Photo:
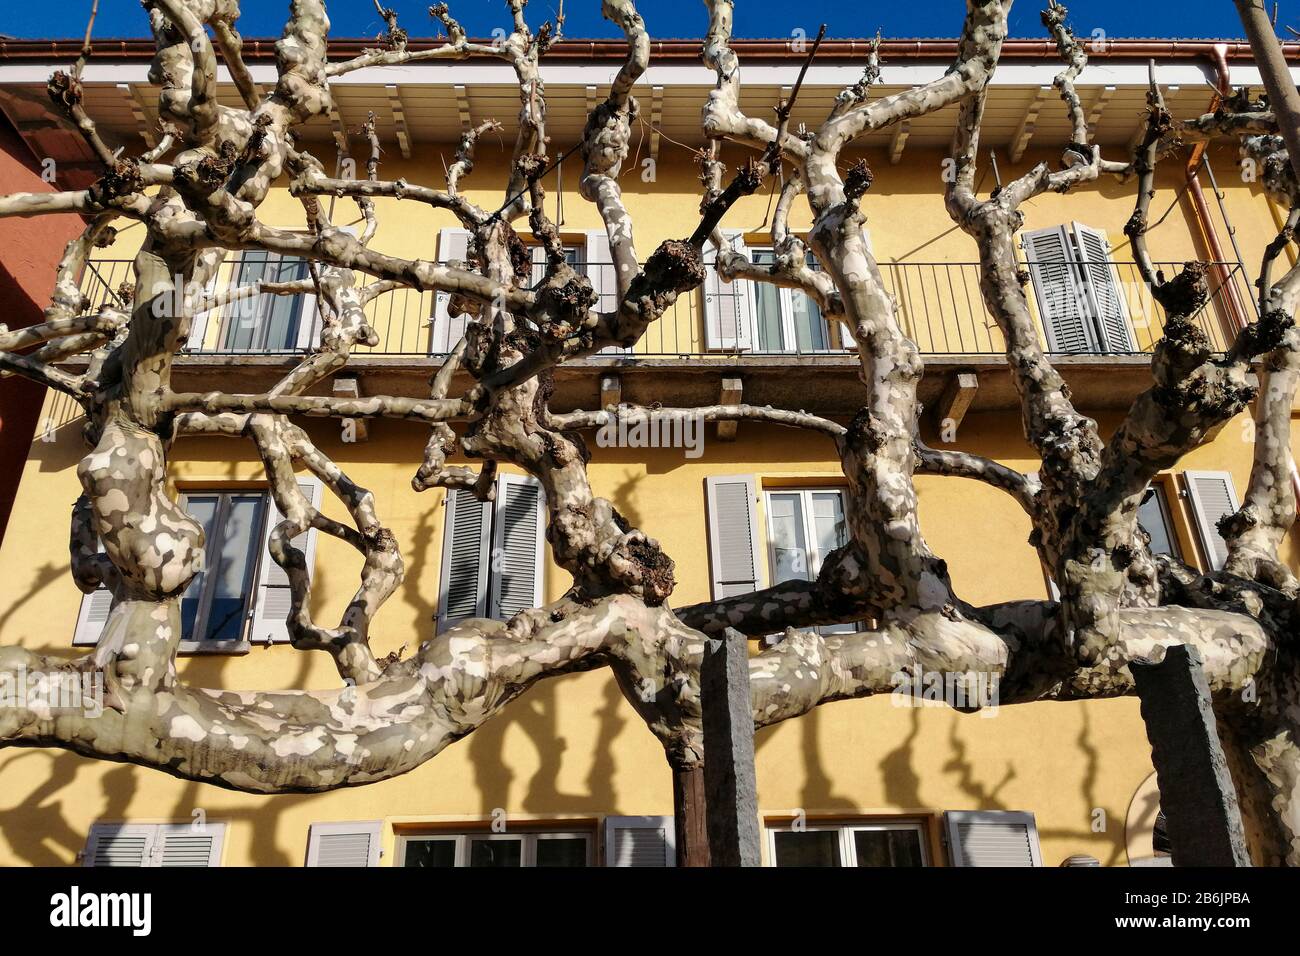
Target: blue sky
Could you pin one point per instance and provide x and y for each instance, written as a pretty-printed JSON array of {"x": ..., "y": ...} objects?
[{"x": 674, "y": 18}]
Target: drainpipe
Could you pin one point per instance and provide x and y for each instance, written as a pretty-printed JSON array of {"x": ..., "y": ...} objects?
[{"x": 1219, "y": 57}]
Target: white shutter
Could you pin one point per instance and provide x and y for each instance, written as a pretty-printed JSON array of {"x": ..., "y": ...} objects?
[
  {"x": 1105, "y": 294},
  {"x": 734, "y": 563},
  {"x": 640, "y": 841},
  {"x": 150, "y": 845},
  {"x": 516, "y": 580},
  {"x": 992, "y": 838},
  {"x": 120, "y": 844},
  {"x": 92, "y": 617},
  {"x": 344, "y": 844},
  {"x": 728, "y": 306},
  {"x": 462, "y": 591},
  {"x": 453, "y": 246},
  {"x": 1212, "y": 495},
  {"x": 1058, "y": 287},
  {"x": 309, "y": 320},
  {"x": 271, "y": 611},
  {"x": 199, "y": 322},
  {"x": 187, "y": 844}
]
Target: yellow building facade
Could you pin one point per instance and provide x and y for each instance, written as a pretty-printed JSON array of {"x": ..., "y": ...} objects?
[{"x": 558, "y": 776}]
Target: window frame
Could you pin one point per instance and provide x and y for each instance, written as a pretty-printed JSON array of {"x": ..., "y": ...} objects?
[
  {"x": 785, "y": 305},
  {"x": 1162, "y": 496},
  {"x": 305, "y": 315},
  {"x": 461, "y": 838},
  {"x": 846, "y": 829},
  {"x": 811, "y": 550},
  {"x": 189, "y": 645}
]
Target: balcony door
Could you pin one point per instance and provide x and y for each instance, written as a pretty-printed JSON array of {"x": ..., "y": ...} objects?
[
  {"x": 266, "y": 322},
  {"x": 786, "y": 320}
]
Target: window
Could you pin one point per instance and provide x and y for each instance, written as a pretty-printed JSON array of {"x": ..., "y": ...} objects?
[
  {"x": 482, "y": 849},
  {"x": 155, "y": 844},
  {"x": 492, "y": 552},
  {"x": 239, "y": 594},
  {"x": 786, "y": 320},
  {"x": 592, "y": 257},
  {"x": 874, "y": 843},
  {"x": 573, "y": 255},
  {"x": 803, "y": 527},
  {"x": 1155, "y": 519},
  {"x": 214, "y": 608},
  {"x": 1080, "y": 298},
  {"x": 266, "y": 322},
  {"x": 742, "y": 315}
]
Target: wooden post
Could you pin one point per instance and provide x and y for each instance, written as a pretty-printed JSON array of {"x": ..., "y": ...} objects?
[{"x": 689, "y": 816}]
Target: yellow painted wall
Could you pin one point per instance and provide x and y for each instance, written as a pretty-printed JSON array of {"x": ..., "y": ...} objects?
[{"x": 571, "y": 747}]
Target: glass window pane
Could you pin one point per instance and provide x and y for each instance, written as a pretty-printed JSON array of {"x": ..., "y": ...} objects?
[
  {"x": 828, "y": 519},
  {"x": 241, "y": 317},
  {"x": 231, "y": 566},
  {"x": 562, "y": 851},
  {"x": 488, "y": 853},
  {"x": 1153, "y": 517},
  {"x": 890, "y": 847},
  {"x": 280, "y": 313},
  {"x": 430, "y": 853},
  {"x": 203, "y": 509},
  {"x": 767, "y": 303},
  {"x": 809, "y": 848},
  {"x": 789, "y": 544},
  {"x": 810, "y": 329}
]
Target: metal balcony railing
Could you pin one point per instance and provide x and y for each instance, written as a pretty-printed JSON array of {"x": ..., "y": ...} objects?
[{"x": 940, "y": 305}]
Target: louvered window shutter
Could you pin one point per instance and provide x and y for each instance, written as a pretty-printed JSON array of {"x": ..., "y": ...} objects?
[
  {"x": 992, "y": 838},
  {"x": 453, "y": 246},
  {"x": 640, "y": 841},
  {"x": 344, "y": 844},
  {"x": 199, "y": 321},
  {"x": 466, "y": 537},
  {"x": 183, "y": 844},
  {"x": 1212, "y": 495},
  {"x": 1059, "y": 290},
  {"x": 92, "y": 617},
  {"x": 271, "y": 610},
  {"x": 728, "y": 306},
  {"x": 1105, "y": 294},
  {"x": 120, "y": 844},
  {"x": 516, "y": 581},
  {"x": 733, "y": 535}
]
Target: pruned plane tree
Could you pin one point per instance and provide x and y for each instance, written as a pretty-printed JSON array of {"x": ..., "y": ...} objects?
[{"x": 197, "y": 195}]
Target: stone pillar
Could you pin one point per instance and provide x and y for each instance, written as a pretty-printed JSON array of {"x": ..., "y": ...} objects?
[
  {"x": 1196, "y": 791},
  {"x": 730, "y": 784}
]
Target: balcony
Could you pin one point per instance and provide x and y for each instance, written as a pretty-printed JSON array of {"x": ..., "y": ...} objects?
[{"x": 766, "y": 337}]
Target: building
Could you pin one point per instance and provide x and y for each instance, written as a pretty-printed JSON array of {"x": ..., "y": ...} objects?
[{"x": 568, "y": 774}]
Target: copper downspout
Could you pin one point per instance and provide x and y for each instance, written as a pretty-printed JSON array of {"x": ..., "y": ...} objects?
[{"x": 1220, "y": 59}]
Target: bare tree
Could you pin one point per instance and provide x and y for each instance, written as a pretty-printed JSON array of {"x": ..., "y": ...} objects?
[{"x": 197, "y": 194}]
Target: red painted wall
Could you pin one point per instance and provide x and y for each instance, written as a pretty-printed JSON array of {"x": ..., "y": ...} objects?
[{"x": 29, "y": 252}]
